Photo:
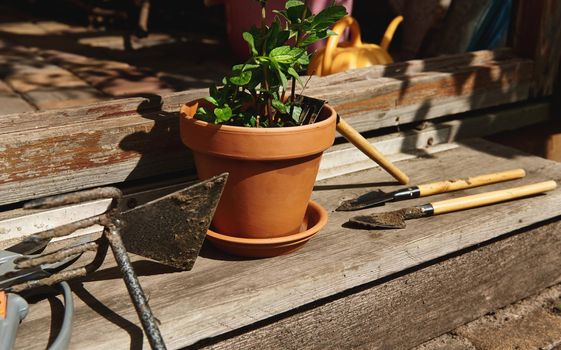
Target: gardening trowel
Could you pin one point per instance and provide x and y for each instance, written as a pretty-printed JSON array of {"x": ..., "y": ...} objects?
[
  {"x": 379, "y": 197},
  {"x": 396, "y": 219},
  {"x": 171, "y": 229}
]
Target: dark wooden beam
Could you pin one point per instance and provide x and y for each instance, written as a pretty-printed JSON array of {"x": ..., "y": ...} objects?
[{"x": 537, "y": 36}]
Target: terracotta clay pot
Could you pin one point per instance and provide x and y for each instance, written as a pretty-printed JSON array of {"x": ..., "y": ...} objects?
[{"x": 271, "y": 171}]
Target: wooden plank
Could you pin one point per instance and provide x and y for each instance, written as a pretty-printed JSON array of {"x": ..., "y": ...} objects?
[
  {"x": 171, "y": 102},
  {"x": 462, "y": 77},
  {"x": 343, "y": 159},
  {"x": 11, "y": 102},
  {"x": 442, "y": 63},
  {"x": 385, "y": 102},
  {"x": 116, "y": 149},
  {"x": 136, "y": 107},
  {"x": 121, "y": 141},
  {"x": 87, "y": 162},
  {"x": 418, "y": 305},
  {"x": 222, "y": 294}
]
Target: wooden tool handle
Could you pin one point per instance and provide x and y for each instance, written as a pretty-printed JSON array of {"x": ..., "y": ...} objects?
[
  {"x": 3, "y": 304},
  {"x": 478, "y": 200},
  {"x": 460, "y": 184},
  {"x": 365, "y": 147}
]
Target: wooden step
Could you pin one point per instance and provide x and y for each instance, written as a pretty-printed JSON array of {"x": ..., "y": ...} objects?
[{"x": 346, "y": 288}]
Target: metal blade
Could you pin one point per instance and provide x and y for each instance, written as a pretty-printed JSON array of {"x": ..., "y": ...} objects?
[
  {"x": 27, "y": 247},
  {"x": 366, "y": 200},
  {"x": 172, "y": 229},
  {"x": 392, "y": 219}
]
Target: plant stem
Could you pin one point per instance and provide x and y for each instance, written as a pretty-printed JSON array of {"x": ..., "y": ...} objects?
[
  {"x": 293, "y": 87},
  {"x": 268, "y": 104}
]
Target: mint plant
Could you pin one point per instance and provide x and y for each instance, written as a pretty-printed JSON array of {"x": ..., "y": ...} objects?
[{"x": 257, "y": 93}]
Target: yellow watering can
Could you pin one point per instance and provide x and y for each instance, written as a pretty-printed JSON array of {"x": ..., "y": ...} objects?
[{"x": 335, "y": 58}]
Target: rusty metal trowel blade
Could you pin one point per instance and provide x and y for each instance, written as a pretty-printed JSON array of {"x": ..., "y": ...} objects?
[
  {"x": 366, "y": 200},
  {"x": 393, "y": 219},
  {"x": 171, "y": 229}
]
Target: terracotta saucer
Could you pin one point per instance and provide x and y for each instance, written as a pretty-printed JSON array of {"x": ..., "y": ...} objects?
[{"x": 315, "y": 220}]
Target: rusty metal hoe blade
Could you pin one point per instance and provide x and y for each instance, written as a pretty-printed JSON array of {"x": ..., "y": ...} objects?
[{"x": 171, "y": 229}]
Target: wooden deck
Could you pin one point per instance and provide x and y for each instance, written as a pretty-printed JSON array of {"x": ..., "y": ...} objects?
[{"x": 345, "y": 288}]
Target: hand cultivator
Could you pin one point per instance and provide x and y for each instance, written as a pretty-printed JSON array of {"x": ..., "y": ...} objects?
[{"x": 170, "y": 230}]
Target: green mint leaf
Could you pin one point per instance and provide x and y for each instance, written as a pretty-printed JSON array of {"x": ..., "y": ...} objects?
[
  {"x": 203, "y": 115},
  {"x": 242, "y": 79},
  {"x": 223, "y": 114},
  {"x": 295, "y": 10},
  {"x": 244, "y": 67},
  {"x": 213, "y": 91},
  {"x": 212, "y": 100},
  {"x": 279, "y": 106},
  {"x": 328, "y": 16},
  {"x": 292, "y": 72},
  {"x": 250, "y": 39},
  {"x": 277, "y": 69},
  {"x": 282, "y": 55},
  {"x": 293, "y": 3}
]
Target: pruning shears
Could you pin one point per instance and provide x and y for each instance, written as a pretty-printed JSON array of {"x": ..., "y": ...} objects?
[{"x": 19, "y": 264}]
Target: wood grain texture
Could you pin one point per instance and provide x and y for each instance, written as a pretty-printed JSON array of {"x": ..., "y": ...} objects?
[
  {"x": 439, "y": 64},
  {"x": 419, "y": 305},
  {"x": 341, "y": 159},
  {"x": 111, "y": 142},
  {"x": 472, "y": 181},
  {"x": 366, "y": 147},
  {"x": 222, "y": 294}
]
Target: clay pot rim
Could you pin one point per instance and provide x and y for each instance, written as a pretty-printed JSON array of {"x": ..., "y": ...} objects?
[
  {"x": 279, "y": 241},
  {"x": 255, "y": 131}
]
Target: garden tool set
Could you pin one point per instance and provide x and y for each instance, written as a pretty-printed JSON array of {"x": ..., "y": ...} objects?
[
  {"x": 379, "y": 197},
  {"x": 396, "y": 218},
  {"x": 170, "y": 230}
]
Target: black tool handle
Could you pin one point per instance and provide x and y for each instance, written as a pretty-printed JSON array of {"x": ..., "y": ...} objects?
[{"x": 407, "y": 193}]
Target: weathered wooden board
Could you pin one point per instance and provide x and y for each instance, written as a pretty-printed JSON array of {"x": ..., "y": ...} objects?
[
  {"x": 343, "y": 159},
  {"x": 443, "y": 63},
  {"x": 110, "y": 142},
  {"x": 223, "y": 294},
  {"x": 10, "y": 102},
  {"x": 382, "y": 102},
  {"x": 96, "y": 169},
  {"x": 65, "y": 158},
  {"x": 417, "y": 305}
]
